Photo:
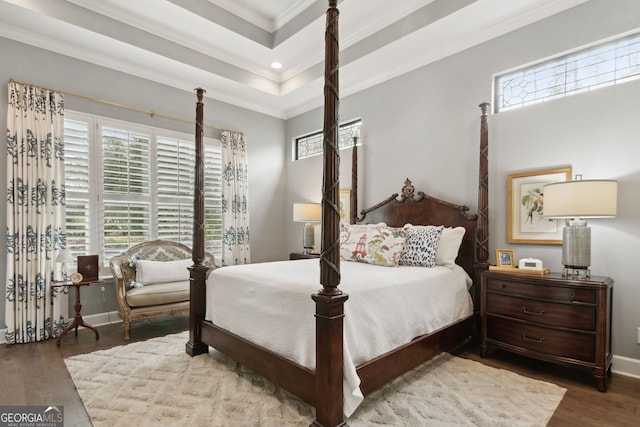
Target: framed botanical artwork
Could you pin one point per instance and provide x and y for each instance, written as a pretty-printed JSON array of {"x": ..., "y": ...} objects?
[
  {"x": 526, "y": 221},
  {"x": 505, "y": 258},
  {"x": 345, "y": 206}
]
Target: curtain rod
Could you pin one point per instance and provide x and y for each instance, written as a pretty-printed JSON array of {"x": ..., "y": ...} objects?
[{"x": 128, "y": 107}]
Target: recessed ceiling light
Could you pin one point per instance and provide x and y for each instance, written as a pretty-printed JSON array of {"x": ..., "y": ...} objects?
[{"x": 276, "y": 65}]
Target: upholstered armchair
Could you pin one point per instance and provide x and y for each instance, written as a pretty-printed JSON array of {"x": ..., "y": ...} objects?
[{"x": 152, "y": 279}]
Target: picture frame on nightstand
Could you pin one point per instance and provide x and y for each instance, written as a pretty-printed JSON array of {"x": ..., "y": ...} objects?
[{"x": 505, "y": 258}]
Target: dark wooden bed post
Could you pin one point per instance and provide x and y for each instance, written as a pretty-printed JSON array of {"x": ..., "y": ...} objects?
[
  {"x": 482, "y": 238},
  {"x": 330, "y": 300},
  {"x": 198, "y": 271}
]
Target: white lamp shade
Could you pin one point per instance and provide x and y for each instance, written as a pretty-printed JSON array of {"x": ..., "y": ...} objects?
[
  {"x": 307, "y": 212},
  {"x": 64, "y": 256},
  {"x": 581, "y": 199}
]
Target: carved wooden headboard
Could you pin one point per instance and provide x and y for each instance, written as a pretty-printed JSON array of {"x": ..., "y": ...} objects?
[{"x": 417, "y": 208}]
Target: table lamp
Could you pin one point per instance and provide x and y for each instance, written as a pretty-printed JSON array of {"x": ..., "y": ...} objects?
[
  {"x": 307, "y": 213},
  {"x": 64, "y": 257},
  {"x": 576, "y": 200}
]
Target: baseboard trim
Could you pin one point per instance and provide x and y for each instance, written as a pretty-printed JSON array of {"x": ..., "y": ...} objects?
[
  {"x": 100, "y": 319},
  {"x": 625, "y": 366}
]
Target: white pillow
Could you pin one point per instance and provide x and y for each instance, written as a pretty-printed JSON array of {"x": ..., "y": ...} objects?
[
  {"x": 152, "y": 272},
  {"x": 449, "y": 245}
]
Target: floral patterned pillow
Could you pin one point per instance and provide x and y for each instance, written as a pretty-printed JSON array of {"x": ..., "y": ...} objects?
[
  {"x": 421, "y": 245},
  {"x": 379, "y": 245}
]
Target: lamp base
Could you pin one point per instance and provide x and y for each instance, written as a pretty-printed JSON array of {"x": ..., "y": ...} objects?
[
  {"x": 307, "y": 237},
  {"x": 576, "y": 272},
  {"x": 576, "y": 250},
  {"x": 62, "y": 275}
]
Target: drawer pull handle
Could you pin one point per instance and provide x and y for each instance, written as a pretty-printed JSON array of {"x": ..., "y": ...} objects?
[
  {"x": 502, "y": 286},
  {"x": 526, "y": 338},
  {"x": 537, "y": 313}
]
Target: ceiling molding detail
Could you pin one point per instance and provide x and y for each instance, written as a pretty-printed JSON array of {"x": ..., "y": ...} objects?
[{"x": 227, "y": 46}]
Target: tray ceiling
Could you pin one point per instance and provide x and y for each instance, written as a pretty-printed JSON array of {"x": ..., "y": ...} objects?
[{"x": 227, "y": 46}]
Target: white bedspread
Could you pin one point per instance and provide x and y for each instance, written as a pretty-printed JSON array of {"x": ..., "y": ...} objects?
[{"x": 270, "y": 304}]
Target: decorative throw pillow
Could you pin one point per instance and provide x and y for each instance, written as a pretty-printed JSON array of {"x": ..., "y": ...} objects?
[
  {"x": 134, "y": 284},
  {"x": 358, "y": 227},
  {"x": 377, "y": 245},
  {"x": 420, "y": 245},
  {"x": 133, "y": 261},
  {"x": 449, "y": 246},
  {"x": 153, "y": 272}
]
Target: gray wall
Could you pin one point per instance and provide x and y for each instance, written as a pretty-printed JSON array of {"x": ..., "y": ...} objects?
[
  {"x": 264, "y": 135},
  {"x": 425, "y": 125}
]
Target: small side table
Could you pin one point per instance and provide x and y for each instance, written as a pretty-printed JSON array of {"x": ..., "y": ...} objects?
[{"x": 77, "y": 320}]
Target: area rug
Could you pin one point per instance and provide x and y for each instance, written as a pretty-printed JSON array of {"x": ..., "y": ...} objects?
[{"x": 155, "y": 383}]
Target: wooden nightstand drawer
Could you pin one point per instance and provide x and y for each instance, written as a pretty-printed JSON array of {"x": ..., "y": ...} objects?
[
  {"x": 555, "y": 293},
  {"x": 543, "y": 313},
  {"x": 573, "y": 345}
]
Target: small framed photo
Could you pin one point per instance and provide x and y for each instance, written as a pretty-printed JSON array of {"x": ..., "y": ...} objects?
[{"x": 505, "y": 258}]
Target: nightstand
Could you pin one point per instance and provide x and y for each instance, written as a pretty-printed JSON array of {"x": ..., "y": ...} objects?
[
  {"x": 301, "y": 255},
  {"x": 551, "y": 318}
]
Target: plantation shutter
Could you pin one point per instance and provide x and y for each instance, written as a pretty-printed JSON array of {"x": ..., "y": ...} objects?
[
  {"x": 127, "y": 192},
  {"x": 76, "y": 161},
  {"x": 127, "y": 184},
  {"x": 175, "y": 178}
]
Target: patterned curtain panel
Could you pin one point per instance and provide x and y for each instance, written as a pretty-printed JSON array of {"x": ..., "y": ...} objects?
[
  {"x": 235, "y": 200},
  {"x": 35, "y": 214}
]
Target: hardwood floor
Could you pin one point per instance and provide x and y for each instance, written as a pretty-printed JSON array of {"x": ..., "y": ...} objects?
[
  {"x": 35, "y": 374},
  {"x": 582, "y": 405}
]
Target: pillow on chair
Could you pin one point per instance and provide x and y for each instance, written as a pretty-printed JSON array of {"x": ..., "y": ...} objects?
[{"x": 153, "y": 272}]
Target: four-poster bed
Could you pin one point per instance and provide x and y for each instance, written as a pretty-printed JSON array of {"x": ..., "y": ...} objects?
[{"x": 322, "y": 385}]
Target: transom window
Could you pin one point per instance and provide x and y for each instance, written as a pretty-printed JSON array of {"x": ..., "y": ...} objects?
[
  {"x": 311, "y": 144},
  {"x": 126, "y": 184},
  {"x": 598, "y": 66}
]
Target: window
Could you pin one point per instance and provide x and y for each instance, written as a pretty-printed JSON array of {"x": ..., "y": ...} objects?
[
  {"x": 598, "y": 66},
  {"x": 311, "y": 144},
  {"x": 126, "y": 184}
]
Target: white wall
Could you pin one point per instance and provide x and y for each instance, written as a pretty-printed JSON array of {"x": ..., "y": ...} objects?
[
  {"x": 264, "y": 138},
  {"x": 425, "y": 125}
]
